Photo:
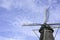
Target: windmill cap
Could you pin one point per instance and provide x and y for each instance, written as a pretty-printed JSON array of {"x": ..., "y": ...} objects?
[{"x": 45, "y": 27}]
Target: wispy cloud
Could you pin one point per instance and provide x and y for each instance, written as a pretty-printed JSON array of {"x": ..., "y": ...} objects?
[
  {"x": 22, "y": 11},
  {"x": 4, "y": 38}
]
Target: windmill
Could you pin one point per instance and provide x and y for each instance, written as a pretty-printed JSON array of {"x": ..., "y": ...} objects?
[{"x": 46, "y": 30}]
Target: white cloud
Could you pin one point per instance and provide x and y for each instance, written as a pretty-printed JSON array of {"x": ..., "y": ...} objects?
[
  {"x": 6, "y": 4},
  {"x": 24, "y": 4},
  {"x": 4, "y": 38}
]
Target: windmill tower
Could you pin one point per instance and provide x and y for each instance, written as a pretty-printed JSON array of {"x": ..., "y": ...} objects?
[{"x": 46, "y": 31}]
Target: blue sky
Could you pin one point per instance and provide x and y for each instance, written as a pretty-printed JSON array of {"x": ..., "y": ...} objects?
[{"x": 14, "y": 13}]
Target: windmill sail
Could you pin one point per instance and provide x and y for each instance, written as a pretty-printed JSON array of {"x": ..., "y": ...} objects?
[{"x": 46, "y": 15}]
